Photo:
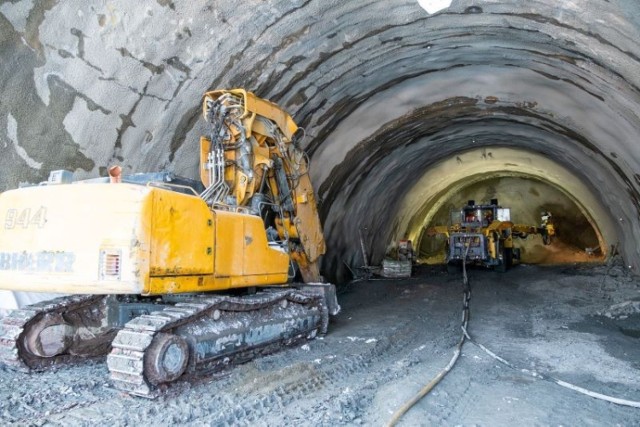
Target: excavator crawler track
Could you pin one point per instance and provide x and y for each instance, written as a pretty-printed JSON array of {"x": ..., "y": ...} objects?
[
  {"x": 75, "y": 311},
  {"x": 206, "y": 334}
]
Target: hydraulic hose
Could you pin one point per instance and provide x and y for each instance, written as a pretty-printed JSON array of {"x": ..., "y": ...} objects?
[{"x": 456, "y": 354}]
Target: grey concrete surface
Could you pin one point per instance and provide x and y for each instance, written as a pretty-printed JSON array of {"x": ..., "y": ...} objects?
[{"x": 385, "y": 91}]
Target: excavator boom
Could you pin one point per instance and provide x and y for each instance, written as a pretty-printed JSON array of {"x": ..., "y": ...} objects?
[{"x": 263, "y": 167}]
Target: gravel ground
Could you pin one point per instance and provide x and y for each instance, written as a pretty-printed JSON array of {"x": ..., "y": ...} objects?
[{"x": 579, "y": 324}]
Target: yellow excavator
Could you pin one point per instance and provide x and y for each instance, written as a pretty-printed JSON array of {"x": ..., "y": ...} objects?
[
  {"x": 483, "y": 234},
  {"x": 171, "y": 277}
]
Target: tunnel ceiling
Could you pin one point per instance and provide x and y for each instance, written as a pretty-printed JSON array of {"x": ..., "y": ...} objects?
[{"x": 385, "y": 91}]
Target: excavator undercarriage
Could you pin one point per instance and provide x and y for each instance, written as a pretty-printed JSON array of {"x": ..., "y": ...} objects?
[
  {"x": 209, "y": 333},
  {"x": 56, "y": 331},
  {"x": 175, "y": 338}
]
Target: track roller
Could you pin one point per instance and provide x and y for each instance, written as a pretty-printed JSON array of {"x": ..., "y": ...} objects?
[
  {"x": 166, "y": 358},
  {"x": 49, "y": 337}
]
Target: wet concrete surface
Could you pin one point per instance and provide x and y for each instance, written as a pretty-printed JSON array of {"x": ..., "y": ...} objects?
[{"x": 391, "y": 338}]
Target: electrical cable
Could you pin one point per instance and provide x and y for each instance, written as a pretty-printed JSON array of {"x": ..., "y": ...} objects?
[
  {"x": 600, "y": 396},
  {"x": 456, "y": 353},
  {"x": 466, "y": 336}
]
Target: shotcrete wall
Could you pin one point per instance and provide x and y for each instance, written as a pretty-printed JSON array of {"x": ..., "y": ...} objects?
[{"x": 385, "y": 91}]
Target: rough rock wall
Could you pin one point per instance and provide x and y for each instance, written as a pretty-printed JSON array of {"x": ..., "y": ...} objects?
[
  {"x": 384, "y": 90},
  {"x": 86, "y": 84}
]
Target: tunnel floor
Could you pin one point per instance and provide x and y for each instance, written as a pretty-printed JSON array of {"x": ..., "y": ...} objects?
[{"x": 576, "y": 323}]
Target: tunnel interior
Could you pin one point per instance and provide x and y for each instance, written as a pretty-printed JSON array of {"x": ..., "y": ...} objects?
[
  {"x": 407, "y": 113},
  {"x": 576, "y": 240},
  {"x": 409, "y": 110}
]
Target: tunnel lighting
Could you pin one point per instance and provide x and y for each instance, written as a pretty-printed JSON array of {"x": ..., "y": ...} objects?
[{"x": 433, "y": 6}]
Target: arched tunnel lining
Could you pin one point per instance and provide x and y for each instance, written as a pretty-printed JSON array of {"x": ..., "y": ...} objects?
[
  {"x": 383, "y": 100},
  {"x": 400, "y": 133},
  {"x": 450, "y": 176},
  {"x": 427, "y": 194}
]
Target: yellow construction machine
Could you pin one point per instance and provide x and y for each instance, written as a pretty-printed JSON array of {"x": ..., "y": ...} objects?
[
  {"x": 171, "y": 276},
  {"x": 483, "y": 234}
]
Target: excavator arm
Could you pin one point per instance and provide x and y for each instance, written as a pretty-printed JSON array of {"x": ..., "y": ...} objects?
[{"x": 251, "y": 160}]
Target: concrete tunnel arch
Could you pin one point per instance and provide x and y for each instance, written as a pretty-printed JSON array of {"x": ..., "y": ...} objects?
[
  {"x": 384, "y": 90},
  {"x": 394, "y": 156},
  {"x": 438, "y": 185}
]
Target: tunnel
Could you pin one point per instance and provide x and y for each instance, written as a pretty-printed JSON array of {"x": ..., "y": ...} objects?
[{"x": 408, "y": 111}]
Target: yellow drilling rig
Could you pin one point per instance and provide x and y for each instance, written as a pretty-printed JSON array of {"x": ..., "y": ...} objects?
[{"x": 483, "y": 234}]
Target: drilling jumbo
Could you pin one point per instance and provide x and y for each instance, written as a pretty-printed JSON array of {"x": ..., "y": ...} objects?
[
  {"x": 171, "y": 277},
  {"x": 483, "y": 235}
]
